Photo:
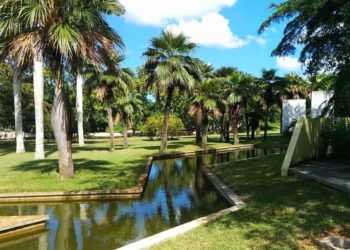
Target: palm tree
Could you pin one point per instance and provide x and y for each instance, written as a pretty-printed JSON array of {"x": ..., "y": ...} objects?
[
  {"x": 169, "y": 66},
  {"x": 110, "y": 86},
  {"x": 79, "y": 107},
  {"x": 17, "y": 93},
  {"x": 268, "y": 80},
  {"x": 125, "y": 107},
  {"x": 196, "y": 105},
  {"x": 59, "y": 32},
  {"x": 206, "y": 99}
]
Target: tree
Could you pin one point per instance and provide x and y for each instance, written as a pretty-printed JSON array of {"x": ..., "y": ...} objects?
[
  {"x": 196, "y": 108},
  {"x": 206, "y": 99},
  {"x": 17, "y": 93},
  {"x": 60, "y": 32},
  {"x": 268, "y": 80},
  {"x": 112, "y": 86},
  {"x": 321, "y": 28},
  {"x": 125, "y": 107},
  {"x": 79, "y": 107},
  {"x": 169, "y": 67}
]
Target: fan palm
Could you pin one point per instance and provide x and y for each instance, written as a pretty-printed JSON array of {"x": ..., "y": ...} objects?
[
  {"x": 169, "y": 66},
  {"x": 268, "y": 80},
  {"x": 111, "y": 87},
  {"x": 125, "y": 107},
  {"x": 60, "y": 31}
]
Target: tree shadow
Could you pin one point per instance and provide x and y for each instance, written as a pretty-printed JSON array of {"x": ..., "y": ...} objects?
[
  {"x": 281, "y": 211},
  {"x": 50, "y": 165}
]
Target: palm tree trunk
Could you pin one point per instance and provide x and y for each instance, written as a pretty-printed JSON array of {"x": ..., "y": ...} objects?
[
  {"x": 164, "y": 142},
  {"x": 79, "y": 106},
  {"x": 61, "y": 126},
  {"x": 38, "y": 80},
  {"x": 266, "y": 124},
  {"x": 199, "y": 115},
  {"x": 205, "y": 130},
  {"x": 235, "y": 134},
  {"x": 111, "y": 129},
  {"x": 125, "y": 134},
  {"x": 17, "y": 96},
  {"x": 222, "y": 128}
]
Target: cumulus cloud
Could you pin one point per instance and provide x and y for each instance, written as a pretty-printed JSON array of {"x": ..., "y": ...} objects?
[
  {"x": 211, "y": 30},
  {"x": 161, "y": 12},
  {"x": 288, "y": 63}
]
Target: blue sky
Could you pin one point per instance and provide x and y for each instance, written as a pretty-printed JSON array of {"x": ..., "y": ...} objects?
[{"x": 225, "y": 31}]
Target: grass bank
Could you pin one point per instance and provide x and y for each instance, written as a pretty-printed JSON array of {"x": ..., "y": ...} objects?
[
  {"x": 95, "y": 166},
  {"x": 282, "y": 213}
]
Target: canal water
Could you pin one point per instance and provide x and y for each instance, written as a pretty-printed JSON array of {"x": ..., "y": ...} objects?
[{"x": 176, "y": 193}]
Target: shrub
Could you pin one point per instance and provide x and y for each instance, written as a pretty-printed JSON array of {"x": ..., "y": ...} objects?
[
  {"x": 338, "y": 136},
  {"x": 116, "y": 129},
  {"x": 154, "y": 125}
]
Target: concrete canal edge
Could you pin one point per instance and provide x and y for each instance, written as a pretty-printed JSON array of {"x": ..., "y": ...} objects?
[
  {"x": 232, "y": 198},
  {"x": 14, "y": 226},
  {"x": 131, "y": 193}
]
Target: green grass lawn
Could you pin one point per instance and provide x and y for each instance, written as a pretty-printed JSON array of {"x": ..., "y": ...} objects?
[
  {"x": 282, "y": 213},
  {"x": 95, "y": 166}
]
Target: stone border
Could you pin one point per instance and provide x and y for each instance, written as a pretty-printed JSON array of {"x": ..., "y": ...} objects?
[
  {"x": 131, "y": 193},
  {"x": 221, "y": 188},
  {"x": 19, "y": 225}
]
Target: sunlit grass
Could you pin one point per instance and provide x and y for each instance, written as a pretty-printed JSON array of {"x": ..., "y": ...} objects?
[{"x": 96, "y": 167}]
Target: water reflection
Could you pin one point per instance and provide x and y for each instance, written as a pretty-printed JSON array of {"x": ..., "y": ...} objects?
[{"x": 177, "y": 192}]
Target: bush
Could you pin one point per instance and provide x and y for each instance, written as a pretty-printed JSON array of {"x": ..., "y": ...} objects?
[
  {"x": 116, "y": 129},
  {"x": 338, "y": 136},
  {"x": 154, "y": 125}
]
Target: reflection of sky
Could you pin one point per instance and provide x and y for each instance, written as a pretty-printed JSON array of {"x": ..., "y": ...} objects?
[{"x": 187, "y": 203}]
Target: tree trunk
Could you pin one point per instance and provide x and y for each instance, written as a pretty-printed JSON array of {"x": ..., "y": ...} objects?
[
  {"x": 17, "y": 94},
  {"x": 247, "y": 127},
  {"x": 79, "y": 106},
  {"x": 38, "y": 81},
  {"x": 222, "y": 129},
  {"x": 164, "y": 142},
  {"x": 266, "y": 124},
  {"x": 125, "y": 134},
  {"x": 235, "y": 134},
  {"x": 61, "y": 126},
  {"x": 199, "y": 115},
  {"x": 227, "y": 131},
  {"x": 111, "y": 129},
  {"x": 205, "y": 130}
]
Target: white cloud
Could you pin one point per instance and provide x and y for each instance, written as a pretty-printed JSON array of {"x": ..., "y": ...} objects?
[
  {"x": 259, "y": 40},
  {"x": 288, "y": 63},
  {"x": 161, "y": 12},
  {"x": 211, "y": 30}
]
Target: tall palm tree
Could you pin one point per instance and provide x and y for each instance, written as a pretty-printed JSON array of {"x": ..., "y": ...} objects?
[
  {"x": 110, "y": 86},
  {"x": 169, "y": 66},
  {"x": 79, "y": 107},
  {"x": 125, "y": 107},
  {"x": 196, "y": 109},
  {"x": 207, "y": 101},
  {"x": 17, "y": 93},
  {"x": 268, "y": 80},
  {"x": 59, "y": 32}
]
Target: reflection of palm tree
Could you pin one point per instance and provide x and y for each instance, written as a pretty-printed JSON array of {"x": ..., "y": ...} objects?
[
  {"x": 199, "y": 179},
  {"x": 167, "y": 189},
  {"x": 65, "y": 236}
]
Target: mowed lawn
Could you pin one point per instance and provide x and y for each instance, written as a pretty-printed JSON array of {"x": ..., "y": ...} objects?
[
  {"x": 95, "y": 166},
  {"x": 282, "y": 213}
]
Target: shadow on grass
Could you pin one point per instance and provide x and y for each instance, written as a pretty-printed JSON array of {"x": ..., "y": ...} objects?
[{"x": 282, "y": 211}]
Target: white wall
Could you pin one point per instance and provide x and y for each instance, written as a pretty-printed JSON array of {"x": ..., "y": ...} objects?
[
  {"x": 319, "y": 101},
  {"x": 292, "y": 110}
]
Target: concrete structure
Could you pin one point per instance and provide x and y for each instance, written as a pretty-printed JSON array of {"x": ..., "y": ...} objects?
[
  {"x": 14, "y": 226},
  {"x": 319, "y": 101},
  {"x": 306, "y": 143},
  {"x": 330, "y": 173},
  {"x": 291, "y": 111}
]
